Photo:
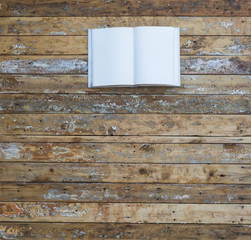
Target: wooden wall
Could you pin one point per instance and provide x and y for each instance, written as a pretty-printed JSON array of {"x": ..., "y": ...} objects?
[{"x": 124, "y": 163}]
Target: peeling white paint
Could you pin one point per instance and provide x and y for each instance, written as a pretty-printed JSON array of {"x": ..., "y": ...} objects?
[
  {"x": 188, "y": 43},
  {"x": 231, "y": 197},
  {"x": 60, "y": 150},
  {"x": 10, "y": 151},
  {"x": 237, "y": 48},
  {"x": 226, "y": 24},
  {"x": 184, "y": 30},
  {"x": 61, "y": 33},
  {"x": 27, "y": 128},
  {"x": 180, "y": 197}
]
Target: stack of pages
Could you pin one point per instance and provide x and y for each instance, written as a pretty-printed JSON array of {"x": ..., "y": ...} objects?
[{"x": 140, "y": 56}]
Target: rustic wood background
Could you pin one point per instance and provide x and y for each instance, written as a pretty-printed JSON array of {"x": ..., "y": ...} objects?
[{"x": 124, "y": 163}]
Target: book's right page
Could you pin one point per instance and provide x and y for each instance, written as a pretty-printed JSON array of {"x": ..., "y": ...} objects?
[{"x": 156, "y": 56}]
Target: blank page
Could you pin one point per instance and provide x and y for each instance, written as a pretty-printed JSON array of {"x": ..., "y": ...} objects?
[
  {"x": 156, "y": 56},
  {"x": 110, "y": 57}
]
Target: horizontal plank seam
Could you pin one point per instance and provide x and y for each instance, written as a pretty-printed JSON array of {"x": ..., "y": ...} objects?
[
  {"x": 109, "y": 202},
  {"x": 130, "y": 94},
  {"x": 77, "y": 182},
  {"x": 120, "y": 223},
  {"x": 120, "y": 163}
]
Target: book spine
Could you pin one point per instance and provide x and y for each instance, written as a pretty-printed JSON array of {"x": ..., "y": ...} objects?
[{"x": 89, "y": 58}]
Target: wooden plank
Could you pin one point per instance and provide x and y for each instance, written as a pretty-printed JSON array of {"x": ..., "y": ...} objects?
[
  {"x": 127, "y": 193},
  {"x": 49, "y": 45},
  {"x": 79, "y": 25},
  {"x": 124, "y": 139},
  {"x": 75, "y": 64},
  {"x": 126, "y": 213},
  {"x": 125, "y": 153},
  {"x": 67, "y": 45},
  {"x": 65, "y": 231},
  {"x": 43, "y": 65},
  {"x": 191, "y": 84},
  {"x": 140, "y": 104},
  {"x": 125, "y": 173},
  {"x": 129, "y": 8},
  {"x": 126, "y": 124}
]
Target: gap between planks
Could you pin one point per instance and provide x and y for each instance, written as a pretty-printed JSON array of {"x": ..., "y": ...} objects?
[{"x": 124, "y": 139}]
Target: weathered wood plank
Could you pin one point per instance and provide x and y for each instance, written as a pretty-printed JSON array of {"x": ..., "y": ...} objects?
[
  {"x": 125, "y": 173},
  {"x": 140, "y": 104},
  {"x": 126, "y": 124},
  {"x": 75, "y": 64},
  {"x": 141, "y": 193},
  {"x": 63, "y": 45},
  {"x": 43, "y": 65},
  {"x": 125, "y": 153},
  {"x": 124, "y": 139},
  {"x": 191, "y": 84},
  {"x": 122, "y": 8},
  {"x": 126, "y": 213},
  {"x": 79, "y": 25},
  {"x": 66, "y": 231}
]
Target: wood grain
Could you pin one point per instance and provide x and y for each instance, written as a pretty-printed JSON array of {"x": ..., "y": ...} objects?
[
  {"x": 125, "y": 153},
  {"x": 75, "y": 64},
  {"x": 80, "y": 25},
  {"x": 69, "y": 45},
  {"x": 46, "y": 45},
  {"x": 190, "y": 84},
  {"x": 127, "y": 193},
  {"x": 43, "y": 65},
  {"x": 143, "y": 104},
  {"x": 79, "y": 163},
  {"x": 125, "y": 173},
  {"x": 117, "y": 8},
  {"x": 124, "y": 139},
  {"x": 126, "y": 124},
  {"x": 65, "y": 231},
  {"x": 126, "y": 213}
]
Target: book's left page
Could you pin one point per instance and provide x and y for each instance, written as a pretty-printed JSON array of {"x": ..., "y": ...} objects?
[{"x": 110, "y": 57}]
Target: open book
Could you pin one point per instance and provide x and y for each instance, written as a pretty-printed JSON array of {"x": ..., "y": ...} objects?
[{"x": 133, "y": 56}]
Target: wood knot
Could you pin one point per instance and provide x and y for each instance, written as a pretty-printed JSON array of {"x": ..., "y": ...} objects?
[
  {"x": 10, "y": 209},
  {"x": 64, "y": 126},
  {"x": 146, "y": 148},
  {"x": 143, "y": 171}
]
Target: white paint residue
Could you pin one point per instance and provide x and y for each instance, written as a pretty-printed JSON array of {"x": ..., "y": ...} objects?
[
  {"x": 27, "y": 128},
  {"x": 180, "y": 197},
  {"x": 231, "y": 197},
  {"x": 58, "y": 33},
  {"x": 9, "y": 151},
  {"x": 237, "y": 48},
  {"x": 226, "y": 24},
  {"x": 184, "y": 30}
]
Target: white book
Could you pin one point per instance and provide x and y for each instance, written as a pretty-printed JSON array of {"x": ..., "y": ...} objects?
[{"x": 134, "y": 57}]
